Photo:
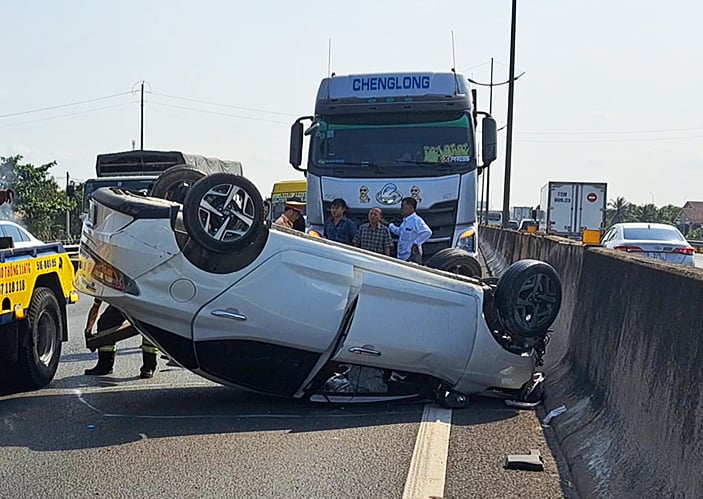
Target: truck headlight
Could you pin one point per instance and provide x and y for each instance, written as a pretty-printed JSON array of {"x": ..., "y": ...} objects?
[{"x": 467, "y": 241}]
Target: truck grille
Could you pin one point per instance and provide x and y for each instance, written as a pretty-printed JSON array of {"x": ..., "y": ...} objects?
[{"x": 441, "y": 217}]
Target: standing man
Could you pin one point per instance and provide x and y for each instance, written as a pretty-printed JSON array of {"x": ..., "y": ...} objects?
[
  {"x": 113, "y": 317},
  {"x": 374, "y": 236},
  {"x": 290, "y": 217},
  {"x": 412, "y": 233},
  {"x": 338, "y": 227}
]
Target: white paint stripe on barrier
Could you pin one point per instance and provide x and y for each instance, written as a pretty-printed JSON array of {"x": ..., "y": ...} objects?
[{"x": 429, "y": 462}]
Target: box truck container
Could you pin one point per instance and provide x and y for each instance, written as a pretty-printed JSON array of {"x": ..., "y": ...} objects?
[{"x": 568, "y": 208}]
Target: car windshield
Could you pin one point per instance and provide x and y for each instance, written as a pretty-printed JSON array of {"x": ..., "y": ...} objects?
[
  {"x": 394, "y": 142},
  {"x": 651, "y": 234}
]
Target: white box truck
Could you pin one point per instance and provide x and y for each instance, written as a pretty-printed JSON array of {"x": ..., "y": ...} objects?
[{"x": 568, "y": 208}]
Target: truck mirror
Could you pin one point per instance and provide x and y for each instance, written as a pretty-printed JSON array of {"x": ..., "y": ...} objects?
[
  {"x": 489, "y": 140},
  {"x": 296, "y": 145}
]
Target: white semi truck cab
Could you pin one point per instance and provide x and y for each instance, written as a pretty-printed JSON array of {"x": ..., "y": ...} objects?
[{"x": 377, "y": 138}]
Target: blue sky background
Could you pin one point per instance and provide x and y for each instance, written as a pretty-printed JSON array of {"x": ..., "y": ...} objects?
[{"x": 611, "y": 90}]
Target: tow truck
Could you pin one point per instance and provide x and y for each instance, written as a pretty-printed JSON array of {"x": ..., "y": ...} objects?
[{"x": 36, "y": 285}]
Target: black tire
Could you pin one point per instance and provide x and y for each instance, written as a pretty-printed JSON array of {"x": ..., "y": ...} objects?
[
  {"x": 223, "y": 212},
  {"x": 528, "y": 298},
  {"x": 174, "y": 183},
  {"x": 456, "y": 261},
  {"x": 39, "y": 356}
]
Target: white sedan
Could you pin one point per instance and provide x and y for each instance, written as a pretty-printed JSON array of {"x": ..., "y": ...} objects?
[
  {"x": 279, "y": 312},
  {"x": 657, "y": 241}
]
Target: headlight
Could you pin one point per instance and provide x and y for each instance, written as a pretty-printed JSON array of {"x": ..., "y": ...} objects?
[{"x": 467, "y": 241}]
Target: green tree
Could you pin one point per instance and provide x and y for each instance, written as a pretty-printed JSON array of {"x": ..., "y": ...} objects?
[
  {"x": 39, "y": 202},
  {"x": 617, "y": 211},
  {"x": 645, "y": 213},
  {"x": 669, "y": 213}
]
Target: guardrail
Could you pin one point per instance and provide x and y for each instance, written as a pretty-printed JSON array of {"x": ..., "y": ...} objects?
[{"x": 696, "y": 244}]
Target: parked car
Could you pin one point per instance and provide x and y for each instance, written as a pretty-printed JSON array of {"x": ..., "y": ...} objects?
[
  {"x": 21, "y": 237},
  {"x": 283, "y": 313},
  {"x": 653, "y": 240}
]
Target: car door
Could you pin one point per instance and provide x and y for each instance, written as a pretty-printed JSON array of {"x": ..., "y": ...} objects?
[
  {"x": 277, "y": 326},
  {"x": 416, "y": 323}
]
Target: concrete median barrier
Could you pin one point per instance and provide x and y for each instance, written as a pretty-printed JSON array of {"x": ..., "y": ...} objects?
[{"x": 626, "y": 359}]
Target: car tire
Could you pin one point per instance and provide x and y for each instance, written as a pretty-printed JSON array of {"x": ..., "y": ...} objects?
[
  {"x": 456, "y": 261},
  {"x": 41, "y": 347},
  {"x": 173, "y": 184},
  {"x": 223, "y": 212},
  {"x": 528, "y": 297}
]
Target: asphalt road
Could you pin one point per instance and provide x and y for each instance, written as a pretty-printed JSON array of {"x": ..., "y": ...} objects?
[
  {"x": 179, "y": 435},
  {"x": 699, "y": 260}
]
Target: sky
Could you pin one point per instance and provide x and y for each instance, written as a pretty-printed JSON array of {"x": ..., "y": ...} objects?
[{"x": 610, "y": 91}]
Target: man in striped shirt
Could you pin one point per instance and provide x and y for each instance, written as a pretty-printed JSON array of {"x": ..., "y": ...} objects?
[{"x": 374, "y": 236}]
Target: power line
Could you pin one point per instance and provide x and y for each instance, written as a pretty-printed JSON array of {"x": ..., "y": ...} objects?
[
  {"x": 62, "y": 105},
  {"x": 614, "y": 132},
  {"x": 658, "y": 139},
  {"x": 216, "y": 113},
  {"x": 67, "y": 115},
  {"x": 223, "y": 105}
]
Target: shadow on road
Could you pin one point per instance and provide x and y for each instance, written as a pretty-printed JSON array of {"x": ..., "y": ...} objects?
[{"x": 91, "y": 418}]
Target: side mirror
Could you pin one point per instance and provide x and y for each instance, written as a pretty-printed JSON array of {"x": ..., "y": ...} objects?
[
  {"x": 296, "y": 145},
  {"x": 489, "y": 142}
]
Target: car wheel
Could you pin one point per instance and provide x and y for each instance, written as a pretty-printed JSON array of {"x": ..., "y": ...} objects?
[
  {"x": 41, "y": 349},
  {"x": 174, "y": 183},
  {"x": 223, "y": 212},
  {"x": 528, "y": 297},
  {"x": 456, "y": 261}
]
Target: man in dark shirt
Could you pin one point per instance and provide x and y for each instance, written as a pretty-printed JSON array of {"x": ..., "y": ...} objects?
[{"x": 338, "y": 227}]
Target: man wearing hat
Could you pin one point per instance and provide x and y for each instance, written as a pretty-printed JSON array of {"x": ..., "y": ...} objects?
[{"x": 293, "y": 214}]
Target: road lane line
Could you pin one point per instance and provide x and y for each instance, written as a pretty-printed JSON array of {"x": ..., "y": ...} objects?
[{"x": 429, "y": 462}]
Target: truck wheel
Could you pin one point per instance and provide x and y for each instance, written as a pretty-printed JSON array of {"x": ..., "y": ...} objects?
[
  {"x": 174, "y": 183},
  {"x": 41, "y": 350},
  {"x": 223, "y": 212},
  {"x": 456, "y": 261},
  {"x": 528, "y": 297}
]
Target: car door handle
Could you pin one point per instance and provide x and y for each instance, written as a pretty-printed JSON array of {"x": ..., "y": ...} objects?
[
  {"x": 365, "y": 350},
  {"x": 230, "y": 313}
]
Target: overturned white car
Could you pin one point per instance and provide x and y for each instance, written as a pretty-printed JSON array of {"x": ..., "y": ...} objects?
[{"x": 283, "y": 313}]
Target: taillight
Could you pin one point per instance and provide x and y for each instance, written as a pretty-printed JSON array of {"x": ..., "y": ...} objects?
[
  {"x": 629, "y": 249},
  {"x": 111, "y": 276},
  {"x": 685, "y": 251}
]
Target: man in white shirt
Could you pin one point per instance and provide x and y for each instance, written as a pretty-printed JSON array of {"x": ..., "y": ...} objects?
[{"x": 412, "y": 233}]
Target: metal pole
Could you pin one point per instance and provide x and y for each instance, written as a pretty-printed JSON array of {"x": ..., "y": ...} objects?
[
  {"x": 68, "y": 212},
  {"x": 141, "y": 146},
  {"x": 488, "y": 170},
  {"x": 509, "y": 139}
]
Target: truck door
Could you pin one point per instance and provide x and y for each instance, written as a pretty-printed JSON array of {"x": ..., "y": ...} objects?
[
  {"x": 561, "y": 209},
  {"x": 592, "y": 204}
]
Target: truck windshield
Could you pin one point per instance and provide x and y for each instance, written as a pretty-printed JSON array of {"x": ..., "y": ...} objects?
[{"x": 393, "y": 144}]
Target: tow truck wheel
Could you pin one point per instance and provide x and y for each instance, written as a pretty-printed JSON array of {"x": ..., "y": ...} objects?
[
  {"x": 41, "y": 344},
  {"x": 223, "y": 212},
  {"x": 456, "y": 261},
  {"x": 528, "y": 297},
  {"x": 174, "y": 183}
]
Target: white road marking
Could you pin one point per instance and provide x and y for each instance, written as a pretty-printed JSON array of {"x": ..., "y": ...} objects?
[{"x": 429, "y": 462}]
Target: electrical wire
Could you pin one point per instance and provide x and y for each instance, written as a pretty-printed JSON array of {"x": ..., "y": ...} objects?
[
  {"x": 656, "y": 139},
  {"x": 215, "y": 112},
  {"x": 223, "y": 105},
  {"x": 67, "y": 115},
  {"x": 77, "y": 103}
]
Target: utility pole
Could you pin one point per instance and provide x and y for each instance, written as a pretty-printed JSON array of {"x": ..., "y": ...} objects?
[
  {"x": 509, "y": 139},
  {"x": 141, "y": 146},
  {"x": 488, "y": 170},
  {"x": 68, "y": 213}
]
